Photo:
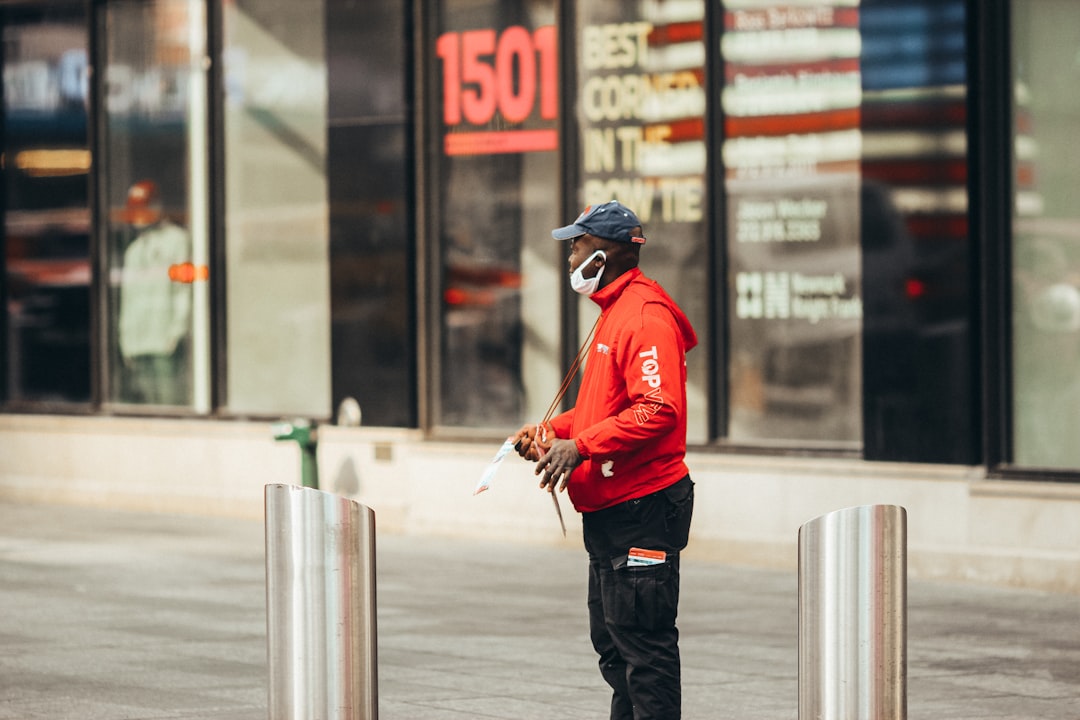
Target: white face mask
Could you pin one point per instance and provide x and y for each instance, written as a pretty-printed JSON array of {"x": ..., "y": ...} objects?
[{"x": 583, "y": 285}]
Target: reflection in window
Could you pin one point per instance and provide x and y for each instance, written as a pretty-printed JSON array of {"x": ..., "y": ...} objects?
[
  {"x": 495, "y": 188},
  {"x": 791, "y": 97},
  {"x": 46, "y": 232},
  {"x": 848, "y": 251},
  {"x": 641, "y": 118},
  {"x": 372, "y": 233},
  {"x": 155, "y": 178},
  {"x": 1046, "y": 236},
  {"x": 276, "y": 233},
  {"x": 918, "y": 402}
]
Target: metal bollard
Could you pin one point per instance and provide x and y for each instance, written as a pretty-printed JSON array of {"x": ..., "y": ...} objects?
[
  {"x": 320, "y": 606},
  {"x": 853, "y": 615}
]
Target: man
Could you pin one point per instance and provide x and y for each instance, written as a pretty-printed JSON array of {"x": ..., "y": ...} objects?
[
  {"x": 155, "y": 308},
  {"x": 620, "y": 454}
]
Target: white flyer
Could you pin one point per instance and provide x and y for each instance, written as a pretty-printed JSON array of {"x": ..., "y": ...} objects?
[{"x": 493, "y": 467}]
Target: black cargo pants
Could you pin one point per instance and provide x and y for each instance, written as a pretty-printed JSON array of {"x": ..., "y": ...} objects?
[{"x": 632, "y": 608}]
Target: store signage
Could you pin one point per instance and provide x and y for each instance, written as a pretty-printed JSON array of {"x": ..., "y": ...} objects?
[
  {"x": 493, "y": 84},
  {"x": 784, "y": 295},
  {"x": 39, "y": 84},
  {"x": 158, "y": 91},
  {"x": 642, "y": 106}
]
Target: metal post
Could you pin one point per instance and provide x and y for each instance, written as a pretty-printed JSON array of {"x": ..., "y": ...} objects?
[
  {"x": 320, "y": 606},
  {"x": 853, "y": 615}
]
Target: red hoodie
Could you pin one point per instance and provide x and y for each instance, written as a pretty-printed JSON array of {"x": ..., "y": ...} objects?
[{"x": 629, "y": 422}]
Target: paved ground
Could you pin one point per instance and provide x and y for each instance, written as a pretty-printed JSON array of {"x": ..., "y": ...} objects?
[{"x": 122, "y": 616}]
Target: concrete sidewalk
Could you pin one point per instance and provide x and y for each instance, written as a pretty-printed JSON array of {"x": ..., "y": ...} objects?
[{"x": 122, "y": 616}]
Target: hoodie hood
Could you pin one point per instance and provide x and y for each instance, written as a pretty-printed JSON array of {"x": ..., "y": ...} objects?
[{"x": 649, "y": 291}]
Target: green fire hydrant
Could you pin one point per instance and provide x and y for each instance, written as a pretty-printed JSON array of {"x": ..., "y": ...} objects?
[{"x": 304, "y": 432}]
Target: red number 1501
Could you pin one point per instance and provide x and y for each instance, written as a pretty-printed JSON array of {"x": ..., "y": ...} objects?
[{"x": 483, "y": 72}]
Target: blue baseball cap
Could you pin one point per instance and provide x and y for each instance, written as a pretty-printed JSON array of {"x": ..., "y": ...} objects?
[{"x": 610, "y": 221}]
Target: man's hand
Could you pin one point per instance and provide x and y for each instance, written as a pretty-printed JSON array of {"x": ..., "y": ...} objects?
[
  {"x": 529, "y": 445},
  {"x": 557, "y": 464}
]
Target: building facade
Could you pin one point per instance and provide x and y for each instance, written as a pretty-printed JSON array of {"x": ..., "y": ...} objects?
[{"x": 221, "y": 213}]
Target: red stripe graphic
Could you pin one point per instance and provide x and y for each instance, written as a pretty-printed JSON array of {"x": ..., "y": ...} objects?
[
  {"x": 500, "y": 142},
  {"x": 843, "y": 119}
]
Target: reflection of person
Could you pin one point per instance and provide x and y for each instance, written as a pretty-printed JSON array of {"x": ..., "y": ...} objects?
[
  {"x": 620, "y": 454},
  {"x": 155, "y": 310},
  {"x": 1046, "y": 328}
]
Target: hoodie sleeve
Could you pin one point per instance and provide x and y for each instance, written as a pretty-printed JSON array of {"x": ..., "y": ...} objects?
[
  {"x": 561, "y": 424},
  {"x": 651, "y": 362}
]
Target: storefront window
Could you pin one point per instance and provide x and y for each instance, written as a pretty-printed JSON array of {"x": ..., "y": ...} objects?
[
  {"x": 1046, "y": 235},
  {"x": 919, "y": 397},
  {"x": 156, "y": 186},
  {"x": 372, "y": 226},
  {"x": 494, "y": 188},
  {"x": 792, "y": 90},
  {"x": 46, "y": 215},
  {"x": 848, "y": 257},
  {"x": 276, "y": 209},
  {"x": 640, "y": 112}
]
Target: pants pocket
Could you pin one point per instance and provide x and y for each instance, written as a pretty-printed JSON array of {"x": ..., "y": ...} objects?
[{"x": 643, "y": 597}]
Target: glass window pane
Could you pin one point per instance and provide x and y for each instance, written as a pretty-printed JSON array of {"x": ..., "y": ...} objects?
[
  {"x": 155, "y": 184},
  {"x": 276, "y": 215},
  {"x": 1046, "y": 235},
  {"x": 641, "y": 118},
  {"x": 495, "y": 188},
  {"x": 46, "y": 242},
  {"x": 372, "y": 232},
  {"x": 849, "y": 263},
  {"x": 791, "y": 151},
  {"x": 917, "y": 259}
]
